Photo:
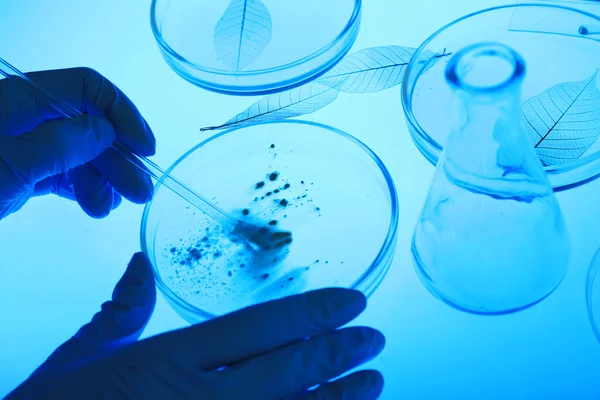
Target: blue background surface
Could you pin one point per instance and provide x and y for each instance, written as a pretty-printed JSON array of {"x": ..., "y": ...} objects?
[{"x": 57, "y": 266}]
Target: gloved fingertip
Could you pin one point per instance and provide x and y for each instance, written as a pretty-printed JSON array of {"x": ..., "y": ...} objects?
[
  {"x": 144, "y": 194},
  {"x": 148, "y": 196},
  {"x": 144, "y": 143},
  {"x": 96, "y": 209},
  {"x": 139, "y": 270},
  {"x": 94, "y": 195},
  {"x": 146, "y": 147},
  {"x": 117, "y": 200},
  {"x": 328, "y": 308},
  {"x": 376, "y": 339},
  {"x": 345, "y": 304},
  {"x": 140, "y": 259},
  {"x": 376, "y": 382},
  {"x": 136, "y": 286},
  {"x": 151, "y": 146},
  {"x": 95, "y": 213},
  {"x": 356, "y": 298},
  {"x": 382, "y": 340},
  {"x": 363, "y": 344}
]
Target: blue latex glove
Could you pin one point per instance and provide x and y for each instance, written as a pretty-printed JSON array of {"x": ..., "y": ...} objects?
[
  {"x": 274, "y": 350},
  {"x": 41, "y": 152}
]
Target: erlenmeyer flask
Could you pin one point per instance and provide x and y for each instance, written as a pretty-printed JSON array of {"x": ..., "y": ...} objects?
[{"x": 491, "y": 238}]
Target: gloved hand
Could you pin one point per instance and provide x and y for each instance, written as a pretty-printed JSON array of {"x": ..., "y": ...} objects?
[
  {"x": 41, "y": 152},
  {"x": 274, "y": 350}
]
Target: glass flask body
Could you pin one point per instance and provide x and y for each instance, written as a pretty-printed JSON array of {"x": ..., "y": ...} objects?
[{"x": 491, "y": 238}]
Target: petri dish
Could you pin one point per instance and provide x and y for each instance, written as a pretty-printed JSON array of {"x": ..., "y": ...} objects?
[
  {"x": 592, "y": 294},
  {"x": 323, "y": 185},
  {"x": 252, "y": 47},
  {"x": 561, "y": 61}
]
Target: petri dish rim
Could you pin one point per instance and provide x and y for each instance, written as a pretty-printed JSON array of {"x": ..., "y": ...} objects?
[
  {"x": 432, "y": 150},
  {"x": 379, "y": 265},
  {"x": 348, "y": 29},
  {"x": 592, "y": 281}
]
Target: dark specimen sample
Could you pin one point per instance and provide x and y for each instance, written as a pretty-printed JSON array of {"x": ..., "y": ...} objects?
[{"x": 195, "y": 254}]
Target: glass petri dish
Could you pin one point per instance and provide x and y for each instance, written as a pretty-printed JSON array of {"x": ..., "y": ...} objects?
[
  {"x": 548, "y": 37},
  {"x": 252, "y": 47},
  {"x": 323, "y": 185},
  {"x": 592, "y": 294}
]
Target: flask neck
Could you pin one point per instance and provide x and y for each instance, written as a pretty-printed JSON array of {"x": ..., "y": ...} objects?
[
  {"x": 478, "y": 115},
  {"x": 487, "y": 149},
  {"x": 486, "y": 79}
]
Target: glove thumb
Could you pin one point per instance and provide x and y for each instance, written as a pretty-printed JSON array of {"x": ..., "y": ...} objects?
[
  {"x": 120, "y": 322},
  {"x": 56, "y": 146}
]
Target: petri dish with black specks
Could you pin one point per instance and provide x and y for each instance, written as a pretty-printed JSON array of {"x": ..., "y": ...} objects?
[{"x": 327, "y": 188}]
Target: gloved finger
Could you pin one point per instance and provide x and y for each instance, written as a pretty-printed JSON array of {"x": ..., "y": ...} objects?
[
  {"x": 296, "y": 367},
  {"x": 60, "y": 186},
  {"x": 56, "y": 147},
  {"x": 57, "y": 184},
  {"x": 127, "y": 179},
  {"x": 260, "y": 328},
  {"x": 93, "y": 193},
  {"x": 361, "y": 385},
  {"x": 117, "y": 200},
  {"x": 120, "y": 322},
  {"x": 103, "y": 98},
  {"x": 86, "y": 90},
  {"x": 19, "y": 109}
]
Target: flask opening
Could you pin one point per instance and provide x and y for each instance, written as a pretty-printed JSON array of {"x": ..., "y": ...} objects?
[{"x": 485, "y": 68}]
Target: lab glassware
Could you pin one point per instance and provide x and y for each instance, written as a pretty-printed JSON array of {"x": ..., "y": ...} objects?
[
  {"x": 491, "y": 238},
  {"x": 548, "y": 37},
  {"x": 252, "y": 47},
  {"x": 324, "y": 186}
]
